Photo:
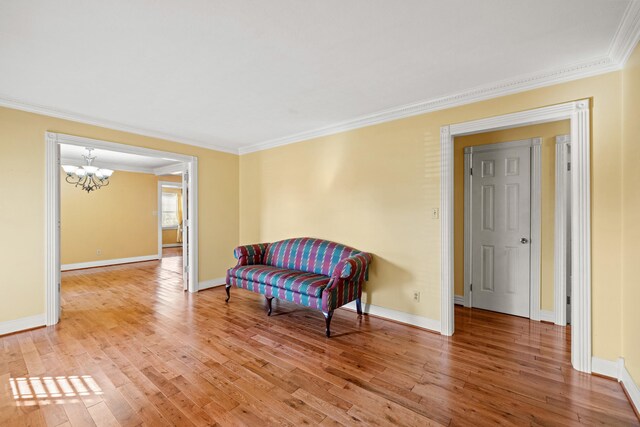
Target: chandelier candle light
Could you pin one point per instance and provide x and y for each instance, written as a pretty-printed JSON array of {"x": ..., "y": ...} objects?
[{"x": 88, "y": 177}]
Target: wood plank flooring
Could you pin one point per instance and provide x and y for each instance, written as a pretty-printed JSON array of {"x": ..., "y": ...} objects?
[{"x": 133, "y": 349}]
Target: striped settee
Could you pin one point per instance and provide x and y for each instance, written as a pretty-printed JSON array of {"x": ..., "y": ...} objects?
[{"x": 312, "y": 272}]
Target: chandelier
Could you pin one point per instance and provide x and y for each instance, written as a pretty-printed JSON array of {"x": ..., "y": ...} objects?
[{"x": 87, "y": 177}]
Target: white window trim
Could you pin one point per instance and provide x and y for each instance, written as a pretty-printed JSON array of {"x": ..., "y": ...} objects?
[{"x": 160, "y": 211}]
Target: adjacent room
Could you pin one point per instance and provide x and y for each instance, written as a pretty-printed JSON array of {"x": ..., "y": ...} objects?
[{"x": 320, "y": 213}]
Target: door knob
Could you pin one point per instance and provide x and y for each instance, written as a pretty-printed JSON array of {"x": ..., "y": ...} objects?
[{"x": 524, "y": 240}]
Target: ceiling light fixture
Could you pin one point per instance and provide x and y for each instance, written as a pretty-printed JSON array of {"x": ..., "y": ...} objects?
[{"x": 88, "y": 177}]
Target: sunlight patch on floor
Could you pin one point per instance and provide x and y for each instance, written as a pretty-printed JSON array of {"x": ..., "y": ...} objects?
[{"x": 53, "y": 390}]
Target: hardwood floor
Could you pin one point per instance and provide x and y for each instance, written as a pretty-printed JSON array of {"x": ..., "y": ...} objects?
[{"x": 133, "y": 349}]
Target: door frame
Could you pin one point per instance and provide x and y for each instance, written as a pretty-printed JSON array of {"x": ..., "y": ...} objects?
[
  {"x": 535, "y": 144},
  {"x": 161, "y": 184},
  {"x": 52, "y": 210},
  {"x": 561, "y": 243},
  {"x": 578, "y": 112}
]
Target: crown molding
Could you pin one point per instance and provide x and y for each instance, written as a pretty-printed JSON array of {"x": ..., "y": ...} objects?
[
  {"x": 481, "y": 93},
  {"x": 627, "y": 35},
  {"x": 81, "y": 118},
  {"x": 624, "y": 41},
  {"x": 622, "y": 45}
]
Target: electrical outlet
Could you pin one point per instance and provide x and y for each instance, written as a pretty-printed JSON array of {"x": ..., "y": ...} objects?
[
  {"x": 416, "y": 296},
  {"x": 99, "y": 252},
  {"x": 435, "y": 213}
]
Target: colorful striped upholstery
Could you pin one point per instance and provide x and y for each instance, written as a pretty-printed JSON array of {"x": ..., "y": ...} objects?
[
  {"x": 307, "y": 254},
  {"x": 250, "y": 254},
  {"x": 311, "y": 272},
  {"x": 296, "y": 281}
]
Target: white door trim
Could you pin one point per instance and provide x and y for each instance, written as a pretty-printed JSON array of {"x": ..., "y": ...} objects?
[
  {"x": 160, "y": 185},
  {"x": 560, "y": 241},
  {"x": 536, "y": 235},
  {"x": 52, "y": 209},
  {"x": 578, "y": 112}
]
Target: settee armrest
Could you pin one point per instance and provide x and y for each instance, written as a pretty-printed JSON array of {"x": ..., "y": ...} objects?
[
  {"x": 355, "y": 267},
  {"x": 250, "y": 254}
]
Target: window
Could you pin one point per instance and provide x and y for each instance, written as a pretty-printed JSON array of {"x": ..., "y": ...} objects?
[{"x": 169, "y": 210}]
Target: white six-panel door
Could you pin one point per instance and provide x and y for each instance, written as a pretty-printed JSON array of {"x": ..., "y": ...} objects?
[{"x": 501, "y": 228}]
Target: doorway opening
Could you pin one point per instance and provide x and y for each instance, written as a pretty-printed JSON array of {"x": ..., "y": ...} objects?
[
  {"x": 502, "y": 238},
  {"x": 134, "y": 168},
  {"x": 173, "y": 203},
  {"x": 578, "y": 115}
]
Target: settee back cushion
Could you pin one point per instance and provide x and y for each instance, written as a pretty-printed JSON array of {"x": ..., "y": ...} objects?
[{"x": 307, "y": 254}]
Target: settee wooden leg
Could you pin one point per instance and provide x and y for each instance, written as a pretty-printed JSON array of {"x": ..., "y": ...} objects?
[
  {"x": 269, "y": 299},
  {"x": 359, "y": 306},
  {"x": 226, "y": 288},
  {"x": 327, "y": 318}
]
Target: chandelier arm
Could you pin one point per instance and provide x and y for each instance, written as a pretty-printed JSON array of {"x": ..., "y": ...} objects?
[{"x": 89, "y": 181}]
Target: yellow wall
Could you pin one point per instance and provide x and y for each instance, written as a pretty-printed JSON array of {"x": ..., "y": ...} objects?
[
  {"x": 374, "y": 188},
  {"x": 631, "y": 216},
  {"x": 22, "y": 153},
  {"x": 170, "y": 236},
  {"x": 118, "y": 220},
  {"x": 547, "y": 132}
]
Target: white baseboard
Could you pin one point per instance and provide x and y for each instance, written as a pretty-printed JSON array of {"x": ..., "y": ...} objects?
[
  {"x": 608, "y": 368},
  {"x": 458, "y": 300},
  {"x": 631, "y": 386},
  {"x": 172, "y": 245},
  {"x": 24, "y": 323},
  {"x": 618, "y": 371},
  {"x": 547, "y": 316},
  {"x": 206, "y": 284},
  {"x": 398, "y": 316},
  {"x": 107, "y": 262}
]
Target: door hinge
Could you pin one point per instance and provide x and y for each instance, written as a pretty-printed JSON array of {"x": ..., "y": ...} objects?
[
  {"x": 471, "y": 171},
  {"x": 58, "y": 287},
  {"x": 568, "y": 166},
  {"x": 471, "y": 287},
  {"x": 186, "y": 177},
  {"x": 568, "y": 300}
]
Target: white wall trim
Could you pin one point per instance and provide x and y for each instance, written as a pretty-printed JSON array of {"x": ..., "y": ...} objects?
[
  {"x": 625, "y": 40},
  {"x": 535, "y": 313},
  {"x": 16, "y": 104},
  {"x": 535, "y": 145},
  {"x": 561, "y": 244},
  {"x": 468, "y": 240},
  {"x": 52, "y": 209},
  {"x": 398, "y": 316},
  {"x": 608, "y": 368},
  {"x": 119, "y": 147},
  {"x": 169, "y": 169},
  {"x": 169, "y": 184},
  {"x": 22, "y": 324},
  {"x": 627, "y": 35},
  {"x": 618, "y": 371},
  {"x": 546, "y": 316},
  {"x": 578, "y": 113},
  {"x": 633, "y": 390},
  {"x": 107, "y": 262},
  {"x": 459, "y": 300},
  {"x": 171, "y": 245},
  {"x": 212, "y": 283},
  {"x": 107, "y": 165},
  {"x": 52, "y": 229}
]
